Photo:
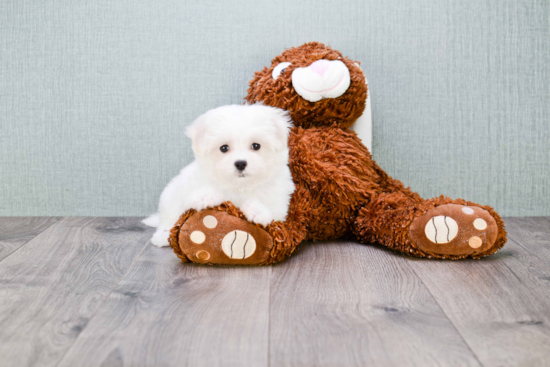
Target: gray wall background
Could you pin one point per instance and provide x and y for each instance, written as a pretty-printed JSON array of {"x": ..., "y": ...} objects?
[{"x": 95, "y": 95}]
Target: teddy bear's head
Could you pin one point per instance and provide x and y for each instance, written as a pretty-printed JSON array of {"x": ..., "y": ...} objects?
[{"x": 316, "y": 84}]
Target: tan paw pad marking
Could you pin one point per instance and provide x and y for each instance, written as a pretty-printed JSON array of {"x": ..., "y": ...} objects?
[
  {"x": 210, "y": 221},
  {"x": 238, "y": 244},
  {"x": 467, "y": 210},
  {"x": 480, "y": 224},
  {"x": 202, "y": 255},
  {"x": 441, "y": 229},
  {"x": 475, "y": 242},
  {"x": 197, "y": 237}
]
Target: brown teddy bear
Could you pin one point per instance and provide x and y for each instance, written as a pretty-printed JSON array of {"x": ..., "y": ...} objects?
[{"x": 340, "y": 190}]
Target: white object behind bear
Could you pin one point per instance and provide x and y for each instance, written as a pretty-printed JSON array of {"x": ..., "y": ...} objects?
[{"x": 363, "y": 125}]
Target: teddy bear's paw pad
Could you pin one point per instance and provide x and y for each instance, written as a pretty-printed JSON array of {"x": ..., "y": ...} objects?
[
  {"x": 456, "y": 230},
  {"x": 238, "y": 244},
  {"x": 215, "y": 237}
]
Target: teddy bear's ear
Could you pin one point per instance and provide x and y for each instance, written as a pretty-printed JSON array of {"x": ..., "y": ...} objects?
[{"x": 197, "y": 133}]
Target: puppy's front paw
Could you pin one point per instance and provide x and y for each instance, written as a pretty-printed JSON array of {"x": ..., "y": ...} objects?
[
  {"x": 160, "y": 238},
  {"x": 257, "y": 212},
  {"x": 204, "y": 199}
]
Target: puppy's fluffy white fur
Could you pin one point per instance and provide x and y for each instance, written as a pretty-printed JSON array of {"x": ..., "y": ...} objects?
[{"x": 262, "y": 190}]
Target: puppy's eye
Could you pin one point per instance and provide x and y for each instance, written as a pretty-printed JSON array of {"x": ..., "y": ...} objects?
[
  {"x": 279, "y": 69},
  {"x": 224, "y": 148},
  {"x": 256, "y": 146}
]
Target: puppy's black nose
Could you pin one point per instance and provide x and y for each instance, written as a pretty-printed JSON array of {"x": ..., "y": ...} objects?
[{"x": 241, "y": 165}]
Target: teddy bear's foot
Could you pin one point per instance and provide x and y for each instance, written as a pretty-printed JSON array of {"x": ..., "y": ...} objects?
[
  {"x": 455, "y": 231},
  {"x": 217, "y": 237}
]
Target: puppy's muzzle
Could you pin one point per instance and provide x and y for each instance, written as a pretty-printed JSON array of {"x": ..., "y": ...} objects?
[{"x": 241, "y": 165}]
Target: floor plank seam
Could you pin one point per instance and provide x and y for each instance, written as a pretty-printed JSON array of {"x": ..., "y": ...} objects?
[
  {"x": 38, "y": 234},
  {"x": 445, "y": 313},
  {"x": 515, "y": 240},
  {"x": 104, "y": 301}
]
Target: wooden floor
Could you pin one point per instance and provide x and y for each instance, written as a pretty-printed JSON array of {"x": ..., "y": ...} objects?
[{"x": 94, "y": 292}]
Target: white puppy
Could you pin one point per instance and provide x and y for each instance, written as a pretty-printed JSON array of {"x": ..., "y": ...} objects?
[{"x": 241, "y": 155}]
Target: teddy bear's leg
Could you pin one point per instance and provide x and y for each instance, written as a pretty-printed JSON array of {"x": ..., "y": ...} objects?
[
  {"x": 222, "y": 235},
  {"x": 438, "y": 227}
]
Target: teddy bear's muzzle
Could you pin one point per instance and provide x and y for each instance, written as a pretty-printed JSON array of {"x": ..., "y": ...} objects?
[{"x": 321, "y": 79}]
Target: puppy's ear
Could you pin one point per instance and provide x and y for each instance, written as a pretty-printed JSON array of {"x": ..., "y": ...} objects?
[
  {"x": 282, "y": 123},
  {"x": 197, "y": 133}
]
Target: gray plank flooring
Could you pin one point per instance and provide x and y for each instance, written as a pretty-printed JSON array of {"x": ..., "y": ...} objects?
[
  {"x": 165, "y": 313},
  {"x": 16, "y": 231},
  {"x": 532, "y": 234},
  {"x": 53, "y": 285},
  {"x": 93, "y": 292},
  {"x": 345, "y": 304}
]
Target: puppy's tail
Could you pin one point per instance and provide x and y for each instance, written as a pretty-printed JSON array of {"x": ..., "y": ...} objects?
[{"x": 152, "y": 221}]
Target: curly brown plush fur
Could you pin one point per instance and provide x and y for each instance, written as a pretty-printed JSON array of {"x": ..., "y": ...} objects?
[{"x": 340, "y": 190}]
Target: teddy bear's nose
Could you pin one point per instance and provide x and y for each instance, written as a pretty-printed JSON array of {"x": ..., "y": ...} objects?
[
  {"x": 320, "y": 66},
  {"x": 241, "y": 165}
]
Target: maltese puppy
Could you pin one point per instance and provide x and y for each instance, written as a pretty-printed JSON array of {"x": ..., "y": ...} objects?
[{"x": 241, "y": 155}]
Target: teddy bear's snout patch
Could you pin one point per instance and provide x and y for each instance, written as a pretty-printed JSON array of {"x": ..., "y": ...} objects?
[{"x": 321, "y": 79}]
